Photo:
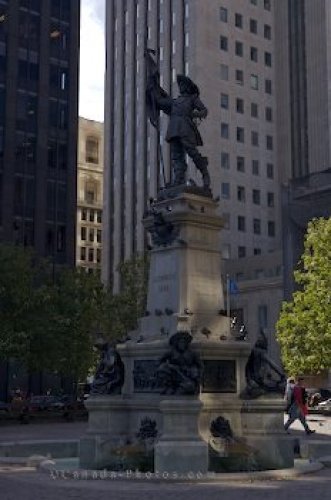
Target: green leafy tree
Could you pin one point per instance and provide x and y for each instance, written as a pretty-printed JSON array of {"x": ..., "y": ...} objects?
[
  {"x": 52, "y": 326},
  {"x": 304, "y": 326},
  {"x": 22, "y": 294},
  {"x": 122, "y": 311}
]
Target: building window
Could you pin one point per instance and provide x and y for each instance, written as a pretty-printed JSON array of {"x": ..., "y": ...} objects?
[
  {"x": 92, "y": 150},
  {"x": 268, "y": 86},
  {"x": 257, "y": 251},
  {"x": 271, "y": 228},
  {"x": 224, "y": 101},
  {"x": 239, "y": 77},
  {"x": 240, "y": 164},
  {"x": 84, "y": 214},
  {"x": 241, "y": 223},
  {"x": 223, "y": 43},
  {"x": 224, "y": 72},
  {"x": 239, "y": 105},
  {"x": 224, "y": 130},
  {"x": 256, "y": 226},
  {"x": 270, "y": 171},
  {"x": 269, "y": 142},
  {"x": 90, "y": 192},
  {"x": 91, "y": 235},
  {"x": 256, "y": 196},
  {"x": 267, "y": 59},
  {"x": 255, "y": 167},
  {"x": 91, "y": 215},
  {"x": 267, "y": 31},
  {"x": 99, "y": 237},
  {"x": 267, "y": 4},
  {"x": 238, "y": 20},
  {"x": 226, "y": 251},
  {"x": 82, "y": 253},
  {"x": 241, "y": 194},
  {"x": 225, "y": 160},
  {"x": 240, "y": 134},
  {"x": 224, "y": 14},
  {"x": 226, "y": 220},
  {"x": 239, "y": 49},
  {"x": 99, "y": 216},
  {"x": 254, "y": 56},
  {"x": 254, "y": 110},
  {"x": 253, "y": 26},
  {"x": 254, "y": 82},
  {"x": 83, "y": 233},
  {"x": 254, "y": 138},
  {"x": 270, "y": 199},
  {"x": 98, "y": 255},
  {"x": 91, "y": 254},
  {"x": 268, "y": 114},
  {"x": 225, "y": 190},
  {"x": 241, "y": 252}
]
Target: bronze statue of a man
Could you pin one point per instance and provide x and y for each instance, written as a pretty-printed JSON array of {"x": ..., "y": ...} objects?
[{"x": 182, "y": 133}]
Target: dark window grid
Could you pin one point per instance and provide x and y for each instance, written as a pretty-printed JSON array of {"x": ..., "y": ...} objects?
[
  {"x": 241, "y": 196},
  {"x": 241, "y": 221},
  {"x": 253, "y": 26},
  {"x": 238, "y": 20},
  {"x": 224, "y": 44},
  {"x": 256, "y": 226},
  {"x": 225, "y": 160},
  {"x": 254, "y": 54},
  {"x": 240, "y": 164},
  {"x": 256, "y": 196},
  {"x": 239, "y": 77},
  {"x": 239, "y": 49},
  {"x": 240, "y": 105},
  {"x": 225, "y": 130},
  {"x": 224, "y": 14},
  {"x": 254, "y": 138},
  {"x": 254, "y": 110},
  {"x": 241, "y": 252},
  {"x": 240, "y": 134}
]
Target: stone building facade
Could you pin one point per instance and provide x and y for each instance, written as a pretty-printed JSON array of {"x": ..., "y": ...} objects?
[{"x": 89, "y": 194}]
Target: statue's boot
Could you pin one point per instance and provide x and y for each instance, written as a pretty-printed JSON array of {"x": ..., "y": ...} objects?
[{"x": 202, "y": 166}]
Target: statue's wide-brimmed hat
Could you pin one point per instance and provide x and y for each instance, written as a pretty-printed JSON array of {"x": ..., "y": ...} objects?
[{"x": 191, "y": 87}]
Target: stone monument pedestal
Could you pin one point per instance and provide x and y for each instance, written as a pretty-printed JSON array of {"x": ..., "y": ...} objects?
[
  {"x": 185, "y": 294},
  {"x": 181, "y": 449}
]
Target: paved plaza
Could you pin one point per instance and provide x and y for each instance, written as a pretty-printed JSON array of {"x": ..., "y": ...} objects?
[{"x": 21, "y": 483}]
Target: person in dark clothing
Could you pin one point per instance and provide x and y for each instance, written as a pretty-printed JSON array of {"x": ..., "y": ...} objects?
[{"x": 298, "y": 407}]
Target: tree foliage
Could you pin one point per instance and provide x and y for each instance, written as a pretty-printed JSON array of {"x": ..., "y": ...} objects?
[
  {"x": 304, "y": 326},
  {"x": 51, "y": 325}
]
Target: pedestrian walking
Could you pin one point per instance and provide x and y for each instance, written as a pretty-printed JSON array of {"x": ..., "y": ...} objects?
[{"x": 298, "y": 407}]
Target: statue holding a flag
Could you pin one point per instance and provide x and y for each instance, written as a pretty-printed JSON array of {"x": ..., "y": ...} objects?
[{"x": 182, "y": 133}]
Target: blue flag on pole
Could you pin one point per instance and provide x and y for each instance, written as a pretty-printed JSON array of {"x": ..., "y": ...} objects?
[{"x": 233, "y": 287}]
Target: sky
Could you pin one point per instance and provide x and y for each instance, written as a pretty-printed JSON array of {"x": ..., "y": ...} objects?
[{"x": 92, "y": 60}]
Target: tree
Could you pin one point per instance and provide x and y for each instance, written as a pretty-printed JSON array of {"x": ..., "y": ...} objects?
[
  {"x": 304, "y": 326},
  {"x": 122, "y": 311},
  {"x": 52, "y": 326}
]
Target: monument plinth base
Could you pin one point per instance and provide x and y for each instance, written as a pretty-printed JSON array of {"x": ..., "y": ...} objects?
[{"x": 181, "y": 449}]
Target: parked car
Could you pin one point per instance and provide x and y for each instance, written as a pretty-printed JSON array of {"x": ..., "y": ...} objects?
[
  {"x": 4, "y": 407},
  {"x": 42, "y": 403},
  {"x": 325, "y": 406}
]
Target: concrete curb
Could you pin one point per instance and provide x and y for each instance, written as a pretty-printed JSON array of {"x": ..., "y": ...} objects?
[{"x": 65, "y": 469}]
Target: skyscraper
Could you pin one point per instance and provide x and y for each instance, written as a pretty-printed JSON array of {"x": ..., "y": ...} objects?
[
  {"x": 39, "y": 50},
  {"x": 304, "y": 126},
  {"x": 227, "y": 48}
]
